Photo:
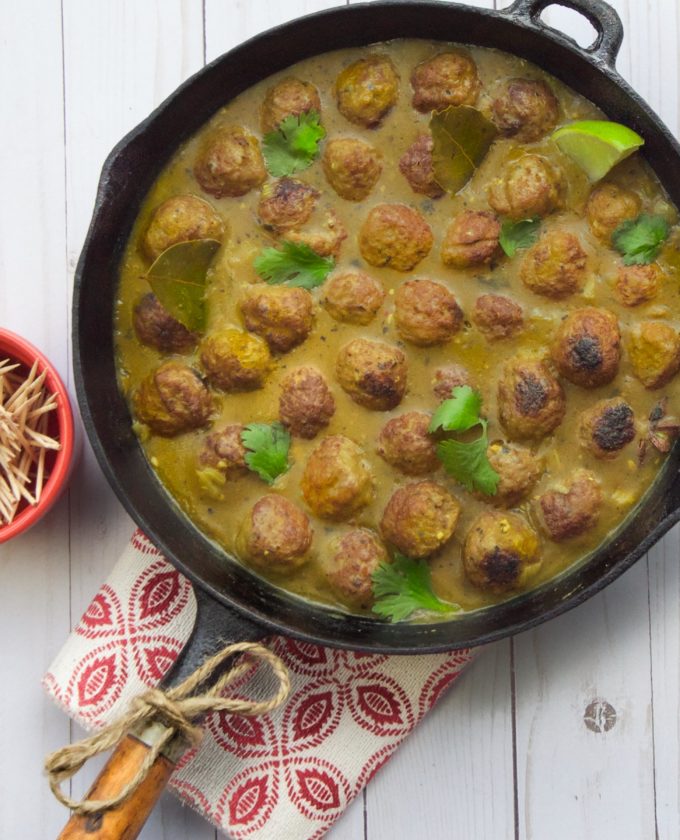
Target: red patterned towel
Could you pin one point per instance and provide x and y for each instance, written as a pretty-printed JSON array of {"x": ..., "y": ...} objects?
[{"x": 288, "y": 775}]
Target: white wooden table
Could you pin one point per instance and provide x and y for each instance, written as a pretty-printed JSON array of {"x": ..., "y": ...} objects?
[{"x": 515, "y": 750}]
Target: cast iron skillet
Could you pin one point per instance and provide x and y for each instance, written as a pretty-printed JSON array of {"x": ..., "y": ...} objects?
[{"x": 256, "y": 608}]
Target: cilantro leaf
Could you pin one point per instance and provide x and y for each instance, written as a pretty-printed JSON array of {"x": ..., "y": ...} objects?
[
  {"x": 402, "y": 587},
  {"x": 459, "y": 413},
  {"x": 294, "y": 265},
  {"x": 294, "y": 145},
  {"x": 640, "y": 240},
  {"x": 469, "y": 464},
  {"x": 267, "y": 447},
  {"x": 517, "y": 235}
]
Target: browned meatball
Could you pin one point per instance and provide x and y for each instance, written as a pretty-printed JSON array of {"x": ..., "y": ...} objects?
[
  {"x": 276, "y": 536},
  {"x": 395, "y": 236},
  {"x": 351, "y": 167},
  {"x": 234, "y": 360},
  {"x": 530, "y": 400},
  {"x": 286, "y": 203},
  {"x": 172, "y": 399},
  {"x": 530, "y": 186},
  {"x": 471, "y": 239},
  {"x": 606, "y": 427},
  {"x": 501, "y": 552},
  {"x": 426, "y": 312},
  {"x": 449, "y": 377},
  {"x": 555, "y": 266},
  {"x": 636, "y": 284},
  {"x": 353, "y": 297},
  {"x": 573, "y": 510},
  {"x": 289, "y": 97},
  {"x": 324, "y": 236},
  {"x": 224, "y": 450},
  {"x": 449, "y": 78},
  {"x": 372, "y": 373},
  {"x": 587, "y": 347},
  {"x": 156, "y": 327},
  {"x": 282, "y": 315},
  {"x": 350, "y": 568},
  {"x": 526, "y": 109},
  {"x": 420, "y": 518},
  {"x": 404, "y": 443},
  {"x": 180, "y": 219},
  {"x": 337, "y": 481},
  {"x": 229, "y": 162},
  {"x": 497, "y": 316},
  {"x": 608, "y": 206},
  {"x": 518, "y": 469},
  {"x": 306, "y": 404},
  {"x": 367, "y": 89},
  {"x": 416, "y": 166},
  {"x": 654, "y": 351}
]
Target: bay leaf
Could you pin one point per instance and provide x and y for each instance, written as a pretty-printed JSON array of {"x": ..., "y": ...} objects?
[
  {"x": 461, "y": 137},
  {"x": 178, "y": 276}
]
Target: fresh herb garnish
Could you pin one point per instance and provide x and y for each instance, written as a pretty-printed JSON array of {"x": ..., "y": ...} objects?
[
  {"x": 461, "y": 138},
  {"x": 268, "y": 446},
  {"x": 294, "y": 145},
  {"x": 640, "y": 240},
  {"x": 293, "y": 264},
  {"x": 402, "y": 587},
  {"x": 517, "y": 235}
]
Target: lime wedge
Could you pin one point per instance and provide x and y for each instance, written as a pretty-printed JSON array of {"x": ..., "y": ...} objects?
[{"x": 597, "y": 145}]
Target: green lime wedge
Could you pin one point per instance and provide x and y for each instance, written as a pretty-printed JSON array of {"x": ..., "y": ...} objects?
[{"x": 597, "y": 145}]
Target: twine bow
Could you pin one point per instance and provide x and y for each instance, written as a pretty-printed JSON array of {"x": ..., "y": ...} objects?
[{"x": 178, "y": 709}]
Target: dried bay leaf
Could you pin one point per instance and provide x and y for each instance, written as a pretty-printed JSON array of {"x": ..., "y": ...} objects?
[{"x": 461, "y": 137}]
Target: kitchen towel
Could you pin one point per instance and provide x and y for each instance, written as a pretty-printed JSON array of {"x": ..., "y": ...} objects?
[{"x": 289, "y": 774}]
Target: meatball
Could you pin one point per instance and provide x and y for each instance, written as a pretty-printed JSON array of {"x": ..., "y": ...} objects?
[
  {"x": 606, "y": 427},
  {"x": 608, "y": 206},
  {"x": 350, "y": 569},
  {"x": 587, "y": 347},
  {"x": 372, "y": 373},
  {"x": 282, "y": 315},
  {"x": 229, "y": 163},
  {"x": 471, "y": 240},
  {"x": 416, "y": 166},
  {"x": 501, "y": 552},
  {"x": 224, "y": 450},
  {"x": 446, "y": 79},
  {"x": 234, "y": 360},
  {"x": 497, "y": 316},
  {"x": 571, "y": 511},
  {"x": 337, "y": 481},
  {"x": 172, "y": 399},
  {"x": 287, "y": 203},
  {"x": 404, "y": 443},
  {"x": 530, "y": 186},
  {"x": 636, "y": 284},
  {"x": 306, "y": 404},
  {"x": 353, "y": 297},
  {"x": 555, "y": 266},
  {"x": 420, "y": 518},
  {"x": 324, "y": 237},
  {"x": 395, "y": 236},
  {"x": 449, "y": 377},
  {"x": 526, "y": 109},
  {"x": 654, "y": 352},
  {"x": 367, "y": 89},
  {"x": 180, "y": 219},
  {"x": 351, "y": 167},
  {"x": 426, "y": 312},
  {"x": 276, "y": 535},
  {"x": 518, "y": 469},
  {"x": 156, "y": 327},
  {"x": 531, "y": 401},
  {"x": 289, "y": 97}
]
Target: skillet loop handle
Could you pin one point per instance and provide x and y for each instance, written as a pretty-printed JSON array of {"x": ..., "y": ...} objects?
[{"x": 600, "y": 14}]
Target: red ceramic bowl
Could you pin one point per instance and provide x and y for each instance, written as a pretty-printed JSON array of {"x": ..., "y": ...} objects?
[{"x": 18, "y": 349}]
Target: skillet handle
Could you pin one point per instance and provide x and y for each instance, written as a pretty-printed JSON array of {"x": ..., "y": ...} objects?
[{"x": 601, "y": 15}]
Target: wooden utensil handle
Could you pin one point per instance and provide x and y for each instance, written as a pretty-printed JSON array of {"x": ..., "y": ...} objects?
[{"x": 127, "y": 820}]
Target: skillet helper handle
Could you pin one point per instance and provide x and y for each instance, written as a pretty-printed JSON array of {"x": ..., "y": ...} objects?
[{"x": 600, "y": 14}]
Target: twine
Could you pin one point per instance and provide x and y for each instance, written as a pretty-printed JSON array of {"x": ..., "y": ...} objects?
[{"x": 178, "y": 709}]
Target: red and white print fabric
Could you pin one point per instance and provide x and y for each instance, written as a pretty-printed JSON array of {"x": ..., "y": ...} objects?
[{"x": 289, "y": 774}]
